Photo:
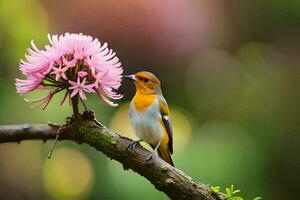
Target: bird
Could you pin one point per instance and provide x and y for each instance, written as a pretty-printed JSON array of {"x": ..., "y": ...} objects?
[{"x": 150, "y": 116}]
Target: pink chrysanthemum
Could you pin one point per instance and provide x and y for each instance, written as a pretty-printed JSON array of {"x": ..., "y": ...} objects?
[{"x": 74, "y": 62}]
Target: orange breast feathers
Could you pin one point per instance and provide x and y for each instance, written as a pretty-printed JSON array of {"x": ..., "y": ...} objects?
[{"x": 142, "y": 102}]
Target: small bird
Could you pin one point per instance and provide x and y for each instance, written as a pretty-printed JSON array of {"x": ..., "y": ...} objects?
[{"x": 149, "y": 115}]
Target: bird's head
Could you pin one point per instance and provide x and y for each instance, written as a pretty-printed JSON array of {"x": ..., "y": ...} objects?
[{"x": 145, "y": 82}]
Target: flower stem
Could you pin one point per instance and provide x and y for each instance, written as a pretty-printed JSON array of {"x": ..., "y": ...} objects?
[
  {"x": 85, "y": 107},
  {"x": 75, "y": 106}
]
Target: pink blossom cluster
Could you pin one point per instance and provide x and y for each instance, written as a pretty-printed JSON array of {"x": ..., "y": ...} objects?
[{"x": 75, "y": 63}]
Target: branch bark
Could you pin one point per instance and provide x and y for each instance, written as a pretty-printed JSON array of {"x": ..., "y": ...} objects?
[{"x": 173, "y": 182}]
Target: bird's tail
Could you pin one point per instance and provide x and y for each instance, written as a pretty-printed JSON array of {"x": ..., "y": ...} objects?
[{"x": 165, "y": 155}]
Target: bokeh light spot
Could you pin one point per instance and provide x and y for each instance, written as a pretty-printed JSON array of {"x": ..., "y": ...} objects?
[
  {"x": 120, "y": 122},
  {"x": 68, "y": 174}
]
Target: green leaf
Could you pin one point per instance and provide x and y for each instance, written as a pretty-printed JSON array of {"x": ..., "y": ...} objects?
[
  {"x": 228, "y": 192},
  {"x": 215, "y": 189},
  {"x": 236, "y": 191},
  {"x": 257, "y": 198},
  {"x": 231, "y": 188}
]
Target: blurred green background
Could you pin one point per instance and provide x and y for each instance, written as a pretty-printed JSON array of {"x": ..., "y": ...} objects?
[{"x": 230, "y": 72}]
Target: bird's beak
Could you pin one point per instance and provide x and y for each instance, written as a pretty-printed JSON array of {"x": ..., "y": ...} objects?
[{"x": 130, "y": 77}]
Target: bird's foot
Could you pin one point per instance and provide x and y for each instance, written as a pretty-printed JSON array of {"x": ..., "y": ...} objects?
[
  {"x": 150, "y": 157},
  {"x": 132, "y": 145}
]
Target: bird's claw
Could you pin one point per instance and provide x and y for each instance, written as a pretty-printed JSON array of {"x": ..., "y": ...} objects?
[
  {"x": 132, "y": 145},
  {"x": 149, "y": 158}
]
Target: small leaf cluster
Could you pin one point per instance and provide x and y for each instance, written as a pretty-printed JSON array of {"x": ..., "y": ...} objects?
[{"x": 230, "y": 194}]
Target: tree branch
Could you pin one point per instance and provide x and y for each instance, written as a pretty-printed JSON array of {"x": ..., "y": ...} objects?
[{"x": 163, "y": 176}]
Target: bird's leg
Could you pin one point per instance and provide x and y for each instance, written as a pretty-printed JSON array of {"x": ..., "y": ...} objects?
[
  {"x": 153, "y": 152},
  {"x": 133, "y": 144}
]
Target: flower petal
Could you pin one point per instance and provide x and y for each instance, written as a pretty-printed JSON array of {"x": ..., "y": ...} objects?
[
  {"x": 74, "y": 92},
  {"x": 82, "y": 74},
  {"x": 82, "y": 95},
  {"x": 106, "y": 100}
]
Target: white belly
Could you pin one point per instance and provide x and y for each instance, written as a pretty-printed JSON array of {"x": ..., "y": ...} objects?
[{"x": 146, "y": 124}]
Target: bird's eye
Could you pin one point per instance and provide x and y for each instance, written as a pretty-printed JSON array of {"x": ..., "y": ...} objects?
[{"x": 145, "y": 80}]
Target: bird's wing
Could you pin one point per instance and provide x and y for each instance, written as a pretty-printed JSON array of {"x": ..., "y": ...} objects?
[{"x": 164, "y": 111}]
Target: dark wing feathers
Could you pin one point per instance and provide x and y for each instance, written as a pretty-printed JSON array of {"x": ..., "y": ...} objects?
[{"x": 168, "y": 127}]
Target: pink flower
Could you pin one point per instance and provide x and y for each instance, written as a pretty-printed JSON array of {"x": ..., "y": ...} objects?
[
  {"x": 59, "y": 72},
  {"x": 25, "y": 86},
  {"x": 71, "y": 57},
  {"x": 82, "y": 74},
  {"x": 80, "y": 87}
]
